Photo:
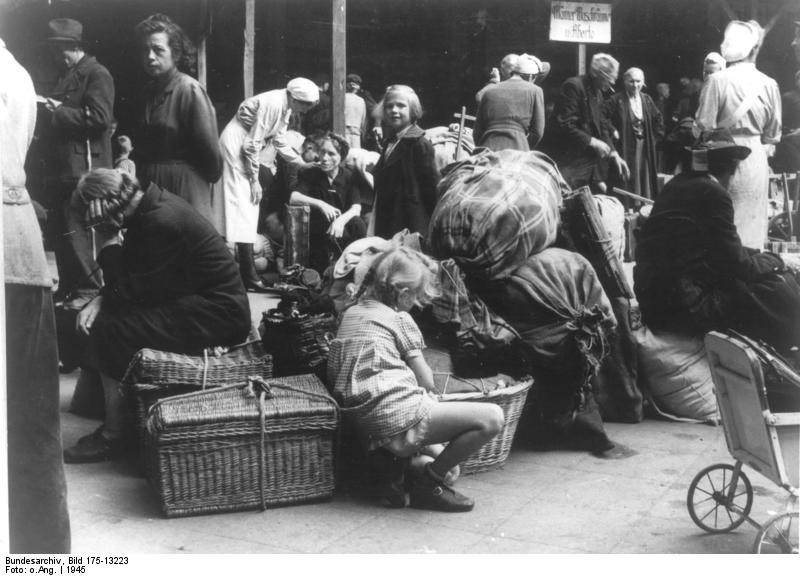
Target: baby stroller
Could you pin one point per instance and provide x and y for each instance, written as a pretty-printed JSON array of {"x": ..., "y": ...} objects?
[{"x": 720, "y": 496}]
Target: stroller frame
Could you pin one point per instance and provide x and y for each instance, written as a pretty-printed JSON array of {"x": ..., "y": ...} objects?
[{"x": 720, "y": 496}]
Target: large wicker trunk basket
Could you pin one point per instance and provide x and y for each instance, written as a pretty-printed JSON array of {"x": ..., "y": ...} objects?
[
  {"x": 265, "y": 443},
  {"x": 154, "y": 374}
]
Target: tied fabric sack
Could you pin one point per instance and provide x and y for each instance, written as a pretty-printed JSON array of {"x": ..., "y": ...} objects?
[
  {"x": 675, "y": 376},
  {"x": 564, "y": 318},
  {"x": 495, "y": 210}
]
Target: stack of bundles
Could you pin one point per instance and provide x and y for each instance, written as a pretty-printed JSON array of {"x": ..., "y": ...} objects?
[
  {"x": 616, "y": 382},
  {"x": 495, "y": 210},
  {"x": 447, "y": 140},
  {"x": 554, "y": 300}
]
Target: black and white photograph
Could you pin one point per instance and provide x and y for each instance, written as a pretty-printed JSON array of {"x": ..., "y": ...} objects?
[{"x": 292, "y": 282}]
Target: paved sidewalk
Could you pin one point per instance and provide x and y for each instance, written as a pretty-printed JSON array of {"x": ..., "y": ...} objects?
[{"x": 540, "y": 502}]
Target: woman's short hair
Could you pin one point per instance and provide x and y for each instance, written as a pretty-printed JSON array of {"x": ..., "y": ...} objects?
[
  {"x": 183, "y": 51},
  {"x": 408, "y": 94},
  {"x": 338, "y": 141}
]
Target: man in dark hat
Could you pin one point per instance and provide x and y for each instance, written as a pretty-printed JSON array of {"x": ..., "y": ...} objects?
[
  {"x": 81, "y": 116},
  {"x": 693, "y": 275}
]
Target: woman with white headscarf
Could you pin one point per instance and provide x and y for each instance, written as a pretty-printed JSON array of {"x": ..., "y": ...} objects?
[
  {"x": 747, "y": 102},
  {"x": 262, "y": 121}
]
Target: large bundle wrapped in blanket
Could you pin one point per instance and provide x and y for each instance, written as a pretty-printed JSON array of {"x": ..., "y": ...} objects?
[
  {"x": 555, "y": 302},
  {"x": 495, "y": 210}
]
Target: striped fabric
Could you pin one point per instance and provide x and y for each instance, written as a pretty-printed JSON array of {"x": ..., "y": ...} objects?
[{"x": 495, "y": 210}]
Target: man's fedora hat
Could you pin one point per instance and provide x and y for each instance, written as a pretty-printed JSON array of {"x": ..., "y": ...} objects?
[{"x": 65, "y": 30}]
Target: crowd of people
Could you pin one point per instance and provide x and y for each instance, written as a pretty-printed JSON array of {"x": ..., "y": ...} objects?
[{"x": 141, "y": 237}]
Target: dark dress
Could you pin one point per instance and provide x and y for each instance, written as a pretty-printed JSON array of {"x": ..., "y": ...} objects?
[
  {"x": 177, "y": 144},
  {"x": 693, "y": 275},
  {"x": 172, "y": 285},
  {"x": 405, "y": 186},
  {"x": 638, "y": 138},
  {"x": 348, "y": 188}
]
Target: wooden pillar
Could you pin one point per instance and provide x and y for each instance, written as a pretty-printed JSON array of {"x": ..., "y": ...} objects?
[
  {"x": 339, "y": 63},
  {"x": 249, "y": 46},
  {"x": 581, "y": 58}
]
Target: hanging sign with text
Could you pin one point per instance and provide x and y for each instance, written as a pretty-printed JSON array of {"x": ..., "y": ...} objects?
[{"x": 580, "y": 22}]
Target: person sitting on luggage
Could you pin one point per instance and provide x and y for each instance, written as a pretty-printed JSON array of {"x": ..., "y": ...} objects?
[
  {"x": 693, "y": 275},
  {"x": 380, "y": 377},
  {"x": 171, "y": 284},
  {"x": 338, "y": 195}
]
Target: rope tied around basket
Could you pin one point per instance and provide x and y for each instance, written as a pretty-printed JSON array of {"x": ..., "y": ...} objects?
[{"x": 258, "y": 387}]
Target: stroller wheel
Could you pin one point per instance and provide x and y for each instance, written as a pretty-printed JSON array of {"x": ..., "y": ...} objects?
[
  {"x": 716, "y": 503},
  {"x": 778, "y": 536}
]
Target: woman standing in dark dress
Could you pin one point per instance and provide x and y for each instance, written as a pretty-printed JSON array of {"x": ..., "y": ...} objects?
[
  {"x": 639, "y": 126},
  {"x": 171, "y": 285},
  {"x": 406, "y": 175},
  {"x": 338, "y": 196},
  {"x": 178, "y": 141}
]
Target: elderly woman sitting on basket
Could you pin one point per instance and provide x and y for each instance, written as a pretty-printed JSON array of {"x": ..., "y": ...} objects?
[{"x": 170, "y": 284}]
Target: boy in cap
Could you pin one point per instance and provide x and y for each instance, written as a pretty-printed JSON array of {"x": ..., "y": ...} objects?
[{"x": 355, "y": 112}]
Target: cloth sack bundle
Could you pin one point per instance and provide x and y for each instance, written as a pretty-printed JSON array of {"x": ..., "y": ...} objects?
[
  {"x": 445, "y": 143},
  {"x": 496, "y": 209},
  {"x": 675, "y": 376},
  {"x": 564, "y": 318}
]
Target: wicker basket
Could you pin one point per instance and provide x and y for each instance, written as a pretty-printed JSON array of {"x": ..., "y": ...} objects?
[
  {"x": 154, "y": 374},
  {"x": 298, "y": 343},
  {"x": 264, "y": 443},
  {"x": 506, "y": 392}
]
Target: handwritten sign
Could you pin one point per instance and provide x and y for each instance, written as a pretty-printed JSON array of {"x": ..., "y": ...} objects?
[{"x": 580, "y": 22}]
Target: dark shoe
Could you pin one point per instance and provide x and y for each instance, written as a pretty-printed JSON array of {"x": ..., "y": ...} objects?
[
  {"x": 93, "y": 448},
  {"x": 247, "y": 269},
  {"x": 258, "y": 287},
  {"x": 431, "y": 494}
]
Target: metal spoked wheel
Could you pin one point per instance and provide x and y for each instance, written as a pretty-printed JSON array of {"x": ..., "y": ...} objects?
[
  {"x": 719, "y": 499},
  {"x": 778, "y": 536}
]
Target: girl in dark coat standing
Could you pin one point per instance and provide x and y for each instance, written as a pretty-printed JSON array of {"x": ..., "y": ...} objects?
[{"x": 406, "y": 175}]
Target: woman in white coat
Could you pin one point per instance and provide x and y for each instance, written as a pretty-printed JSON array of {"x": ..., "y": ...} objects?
[{"x": 261, "y": 121}]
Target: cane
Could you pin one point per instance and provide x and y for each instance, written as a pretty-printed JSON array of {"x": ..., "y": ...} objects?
[{"x": 88, "y": 150}]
